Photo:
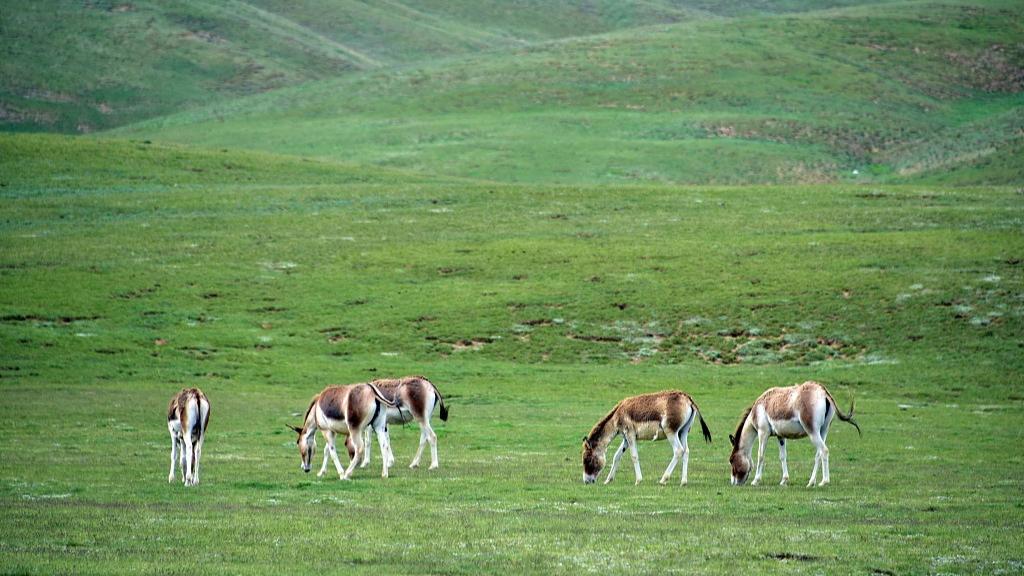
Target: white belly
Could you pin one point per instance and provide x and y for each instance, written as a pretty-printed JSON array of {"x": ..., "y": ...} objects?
[
  {"x": 789, "y": 429},
  {"x": 650, "y": 431}
]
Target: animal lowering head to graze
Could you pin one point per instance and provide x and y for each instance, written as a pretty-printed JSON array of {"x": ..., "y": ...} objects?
[
  {"x": 187, "y": 417},
  {"x": 802, "y": 411},
  {"x": 662, "y": 415},
  {"x": 345, "y": 410}
]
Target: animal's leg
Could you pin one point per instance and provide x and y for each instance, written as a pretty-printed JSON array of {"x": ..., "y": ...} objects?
[
  {"x": 384, "y": 439},
  {"x": 327, "y": 455},
  {"x": 782, "y": 457},
  {"x": 368, "y": 444},
  {"x": 820, "y": 458},
  {"x": 762, "y": 445},
  {"x": 615, "y": 461},
  {"x": 174, "y": 455},
  {"x": 181, "y": 457},
  {"x": 677, "y": 453},
  {"x": 636, "y": 459},
  {"x": 419, "y": 450},
  {"x": 331, "y": 448},
  {"x": 199, "y": 458},
  {"x": 825, "y": 472},
  {"x": 190, "y": 459},
  {"x": 428, "y": 436},
  {"x": 686, "y": 460},
  {"x": 358, "y": 446}
]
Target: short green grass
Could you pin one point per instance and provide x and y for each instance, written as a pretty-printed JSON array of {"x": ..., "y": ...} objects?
[{"x": 125, "y": 276}]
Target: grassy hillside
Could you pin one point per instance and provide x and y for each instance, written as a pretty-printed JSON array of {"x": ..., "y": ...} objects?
[
  {"x": 131, "y": 270},
  {"x": 867, "y": 94},
  {"x": 78, "y": 67}
]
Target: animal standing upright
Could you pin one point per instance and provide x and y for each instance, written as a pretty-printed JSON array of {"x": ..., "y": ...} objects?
[
  {"x": 804, "y": 410},
  {"x": 344, "y": 410},
  {"x": 187, "y": 417},
  {"x": 661, "y": 415},
  {"x": 415, "y": 399}
]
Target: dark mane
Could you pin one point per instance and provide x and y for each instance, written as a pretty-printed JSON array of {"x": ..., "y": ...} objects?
[
  {"x": 595, "y": 432},
  {"x": 311, "y": 404},
  {"x": 743, "y": 420}
]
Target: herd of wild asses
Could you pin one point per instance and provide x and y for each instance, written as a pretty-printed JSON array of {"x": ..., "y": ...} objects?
[{"x": 803, "y": 410}]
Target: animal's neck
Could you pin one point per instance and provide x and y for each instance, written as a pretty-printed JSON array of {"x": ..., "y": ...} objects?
[
  {"x": 748, "y": 435},
  {"x": 309, "y": 426},
  {"x": 603, "y": 433}
]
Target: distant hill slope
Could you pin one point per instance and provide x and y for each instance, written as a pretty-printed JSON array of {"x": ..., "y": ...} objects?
[
  {"x": 33, "y": 164},
  {"x": 78, "y": 67},
  {"x": 880, "y": 93}
]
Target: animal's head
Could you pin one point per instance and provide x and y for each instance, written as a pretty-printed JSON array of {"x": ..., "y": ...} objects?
[
  {"x": 739, "y": 462},
  {"x": 593, "y": 461},
  {"x": 307, "y": 448}
]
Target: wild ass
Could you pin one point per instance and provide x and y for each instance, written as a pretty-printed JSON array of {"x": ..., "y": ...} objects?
[
  {"x": 804, "y": 410},
  {"x": 656, "y": 416},
  {"x": 344, "y": 410},
  {"x": 187, "y": 417},
  {"x": 415, "y": 398}
]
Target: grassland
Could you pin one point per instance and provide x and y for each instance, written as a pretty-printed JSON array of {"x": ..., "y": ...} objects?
[{"x": 131, "y": 269}]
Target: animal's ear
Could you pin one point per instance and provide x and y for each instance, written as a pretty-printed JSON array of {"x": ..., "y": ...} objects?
[
  {"x": 295, "y": 428},
  {"x": 586, "y": 442},
  {"x": 732, "y": 440}
]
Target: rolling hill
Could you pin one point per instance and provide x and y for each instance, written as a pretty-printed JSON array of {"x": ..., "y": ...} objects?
[
  {"x": 909, "y": 91},
  {"x": 79, "y": 67}
]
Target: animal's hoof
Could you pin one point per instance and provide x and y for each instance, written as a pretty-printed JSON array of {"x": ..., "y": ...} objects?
[
  {"x": 663, "y": 481},
  {"x": 433, "y": 467},
  {"x": 784, "y": 482},
  {"x": 415, "y": 465}
]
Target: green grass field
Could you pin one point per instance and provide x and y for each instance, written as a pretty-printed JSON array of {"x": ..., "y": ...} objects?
[{"x": 129, "y": 270}]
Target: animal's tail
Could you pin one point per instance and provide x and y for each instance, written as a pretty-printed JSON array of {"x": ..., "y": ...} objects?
[
  {"x": 383, "y": 399},
  {"x": 848, "y": 417},
  {"x": 703, "y": 425},
  {"x": 444, "y": 409},
  {"x": 195, "y": 413}
]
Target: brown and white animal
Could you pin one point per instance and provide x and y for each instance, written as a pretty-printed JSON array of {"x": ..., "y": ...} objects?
[
  {"x": 662, "y": 415},
  {"x": 345, "y": 410},
  {"x": 415, "y": 399},
  {"x": 804, "y": 410},
  {"x": 187, "y": 417}
]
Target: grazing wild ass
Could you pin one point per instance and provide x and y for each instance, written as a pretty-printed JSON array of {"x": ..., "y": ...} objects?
[
  {"x": 344, "y": 410},
  {"x": 804, "y": 410},
  {"x": 187, "y": 417},
  {"x": 667, "y": 414},
  {"x": 415, "y": 398}
]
